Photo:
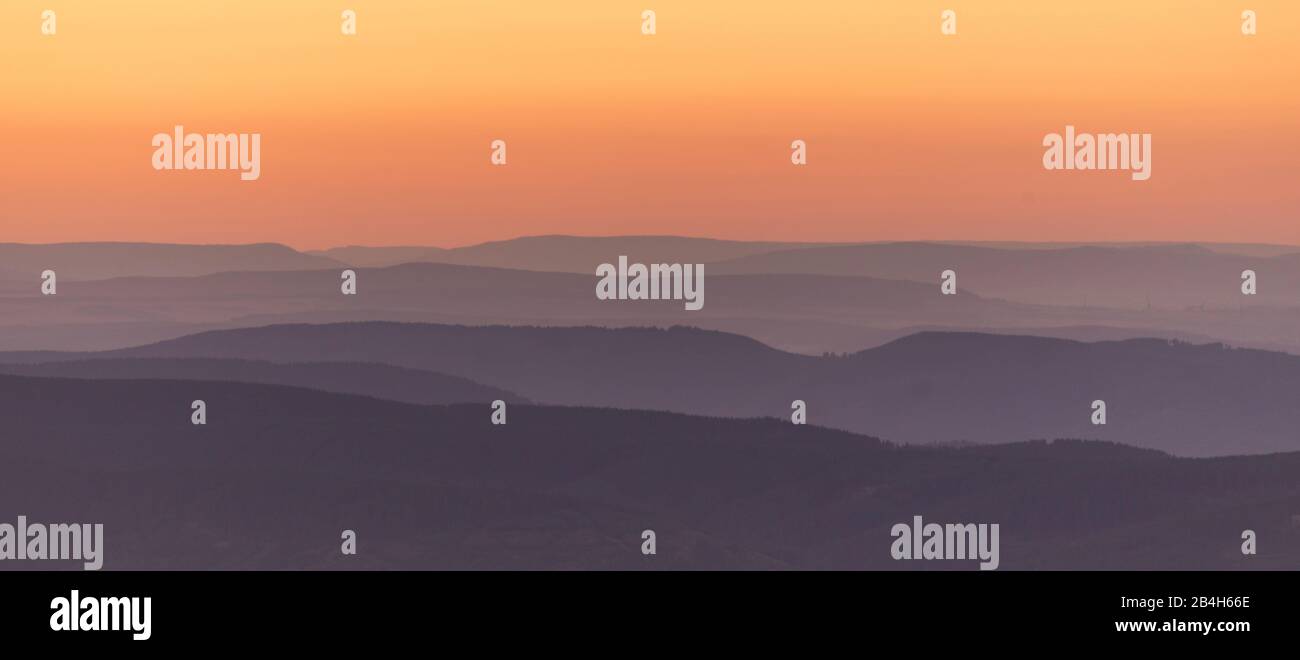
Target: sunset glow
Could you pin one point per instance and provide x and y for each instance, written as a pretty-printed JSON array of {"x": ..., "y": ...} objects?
[{"x": 383, "y": 138}]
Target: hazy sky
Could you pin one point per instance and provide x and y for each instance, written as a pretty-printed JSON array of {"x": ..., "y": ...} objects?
[{"x": 383, "y": 137}]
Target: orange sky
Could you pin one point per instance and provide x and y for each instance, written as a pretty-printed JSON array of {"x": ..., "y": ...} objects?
[{"x": 383, "y": 138}]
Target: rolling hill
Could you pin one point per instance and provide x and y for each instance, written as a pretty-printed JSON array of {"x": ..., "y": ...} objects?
[
  {"x": 927, "y": 388},
  {"x": 377, "y": 380}
]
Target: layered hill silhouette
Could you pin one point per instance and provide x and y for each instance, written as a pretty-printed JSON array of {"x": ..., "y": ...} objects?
[
  {"x": 796, "y": 311},
  {"x": 1126, "y": 276},
  {"x": 371, "y": 379},
  {"x": 278, "y": 472},
  {"x": 928, "y": 388},
  {"x": 803, "y": 313},
  {"x": 1139, "y": 275},
  {"x": 24, "y": 263},
  {"x": 1166, "y": 276}
]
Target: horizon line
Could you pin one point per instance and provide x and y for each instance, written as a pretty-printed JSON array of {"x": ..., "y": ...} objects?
[{"x": 947, "y": 241}]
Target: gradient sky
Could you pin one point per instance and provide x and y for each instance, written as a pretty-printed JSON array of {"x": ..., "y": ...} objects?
[{"x": 383, "y": 138}]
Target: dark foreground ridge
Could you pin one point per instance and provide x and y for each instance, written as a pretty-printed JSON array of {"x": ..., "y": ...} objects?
[{"x": 277, "y": 473}]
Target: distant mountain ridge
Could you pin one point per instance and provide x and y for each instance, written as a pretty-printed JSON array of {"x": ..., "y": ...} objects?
[
  {"x": 805, "y": 313},
  {"x": 1121, "y": 275},
  {"x": 1163, "y": 276},
  {"x": 580, "y": 254},
  {"x": 931, "y": 387},
  {"x": 98, "y": 261},
  {"x": 808, "y": 298},
  {"x": 560, "y": 253}
]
